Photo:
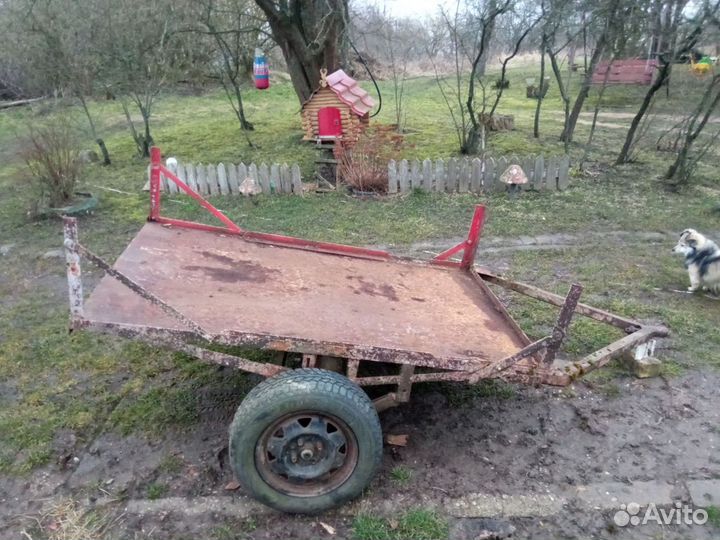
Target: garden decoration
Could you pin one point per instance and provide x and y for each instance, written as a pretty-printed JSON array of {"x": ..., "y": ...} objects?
[
  {"x": 514, "y": 178},
  {"x": 260, "y": 70}
]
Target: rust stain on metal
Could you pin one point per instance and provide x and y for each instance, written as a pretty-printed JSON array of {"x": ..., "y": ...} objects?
[
  {"x": 563, "y": 322},
  {"x": 373, "y": 289}
]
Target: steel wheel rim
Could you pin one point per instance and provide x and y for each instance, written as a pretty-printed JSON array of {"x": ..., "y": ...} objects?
[{"x": 306, "y": 454}]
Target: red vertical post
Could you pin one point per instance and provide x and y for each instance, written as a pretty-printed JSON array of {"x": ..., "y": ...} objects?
[
  {"x": 473, "y": 238},
  {"x": 155, "y": 164}
]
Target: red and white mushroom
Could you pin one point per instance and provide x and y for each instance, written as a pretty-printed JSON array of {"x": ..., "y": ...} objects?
[{"x": 514, "y": 177}]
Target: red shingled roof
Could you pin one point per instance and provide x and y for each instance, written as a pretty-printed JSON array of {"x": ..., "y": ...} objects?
[{"x": 347, "y": 90}]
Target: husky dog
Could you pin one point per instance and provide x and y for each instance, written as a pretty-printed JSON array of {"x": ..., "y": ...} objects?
[{"x": 702, "y": 260}]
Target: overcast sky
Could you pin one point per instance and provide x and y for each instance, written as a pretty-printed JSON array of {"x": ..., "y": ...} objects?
[{"x": 410, "y": 8}]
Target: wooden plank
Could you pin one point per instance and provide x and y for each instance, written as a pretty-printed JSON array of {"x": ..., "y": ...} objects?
[
  {"x": 212, "y": 181},
  {"x": 464, "y": 176},
  {"x": 222, "y": 179},
  {"x": 296, "y": 179},
  {"x": 439, "y": 175},
  {"x": 242, "y": 174},
  {"x": 427, "y": 175},
  {"x": 285, "y": 180},
  {"x": 476, "y": 175},
  {"x": 403, "y": 181},
  {"x": 489, "y": 176},
  {"x": 253, "y": 173},
  {"x": 275, "y": 180},
  {"x": 551, "y": 173},
  {"x": 201, "y": 181},
  {"x": 528, "y": 165},
  {"x": 392, "y": 177},
  {"x": 415, "y": 174},
  {"x": 563, "y": 172},
  {"x": 233, "y": 184},
  {"x": 264, "y": 179},
  {"x": 500, "y": 166},
  {"x": 451, "y": 180},
  {"x": 180, "y": 173},
  {"x": 539, "y": 173},
  {"x": 164, "y": 183},
  {"x": 190, "y": 177}
]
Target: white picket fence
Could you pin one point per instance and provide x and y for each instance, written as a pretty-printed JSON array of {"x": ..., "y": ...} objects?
[
  {"x": 225, "y": 179},
  {"x": 476, "y": 175}
]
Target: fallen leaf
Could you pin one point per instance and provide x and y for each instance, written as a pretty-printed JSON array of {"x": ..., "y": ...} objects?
[
  {"x": 328, "y": 528},
  {"x": 397, "y": 440},
  {"x": 393, "y": 523},
  {"x": 232, "y": 485}
]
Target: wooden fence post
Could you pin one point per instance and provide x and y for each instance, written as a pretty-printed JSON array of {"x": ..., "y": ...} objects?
[
  {"x": 563, "y": 172},
  {"x": 200, "y": 175},
  {"x": 392, "y": 176},
  {"x": 439, "y": 175},
  {"x": 539, "y": 174},
  {"x": 253, "y": 173},
  {"x": 489, "y": 179},
  {"x": 264, "y": 177},
  {"x": 403, "y": 176},
  {"x": 297, "y": 186},
  {"x": 415, "y": 176},
  {"x": 222, "y": 179},
  {"x": 452, "y": 175},
  {"x": 233, "y": 184},
  {"x": 211, "y": 179},
  {"x": 427, "y": 175},
  {"x": 180, "y": 173}
]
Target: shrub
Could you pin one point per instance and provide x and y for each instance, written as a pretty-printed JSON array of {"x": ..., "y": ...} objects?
[
  {"x": 363, "y": 165},
  {"x": 52, "y": 156}
]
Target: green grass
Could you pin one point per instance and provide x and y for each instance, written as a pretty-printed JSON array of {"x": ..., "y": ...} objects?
[
  {"x": 88, "y": 384},
  {"x": 713, "y": 513},
  {"x": 401, "y": 474},
  {"x": 156, "y": 491},
  {"x": 416, "y": 524},
  {"x": 464, "y": 395}
]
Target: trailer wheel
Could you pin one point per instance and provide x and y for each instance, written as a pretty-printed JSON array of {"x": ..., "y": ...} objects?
[{"x": 305, "y": 441}]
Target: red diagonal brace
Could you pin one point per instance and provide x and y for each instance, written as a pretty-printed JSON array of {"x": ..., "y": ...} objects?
[{"x": 469, "y": 245}]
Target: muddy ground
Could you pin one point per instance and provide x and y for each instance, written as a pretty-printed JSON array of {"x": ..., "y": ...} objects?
[{"x": 550, "y": 460}]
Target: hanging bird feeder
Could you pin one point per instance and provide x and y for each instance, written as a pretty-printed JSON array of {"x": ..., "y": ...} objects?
[{"x": 261, "y": 71}]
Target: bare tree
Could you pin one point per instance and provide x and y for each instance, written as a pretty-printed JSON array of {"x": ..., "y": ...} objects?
[
  {"x": 673, "y": 50},
  {"x": 520, "y": 31},
  {"x": 311, "y": 35},
  {"x": 235, "y": 27},
  {"x": 465, "y": 101},
  {"x": 607, "y": 15},
  {"x": 63, "y": 41},
  {"x": 140, "y": 63},
  {"x": 679, "y": 172}
]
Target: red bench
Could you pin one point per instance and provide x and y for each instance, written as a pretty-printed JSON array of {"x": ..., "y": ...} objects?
[{"x": 633, "y": 71}]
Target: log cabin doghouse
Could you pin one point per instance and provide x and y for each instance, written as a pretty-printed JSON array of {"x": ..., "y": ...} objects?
[{"x": 338, "y": 109}]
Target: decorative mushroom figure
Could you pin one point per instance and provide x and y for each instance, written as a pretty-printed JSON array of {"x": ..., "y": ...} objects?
[
  {"x": 250, "y": 187},
  {"x": 514, "y": 177}
]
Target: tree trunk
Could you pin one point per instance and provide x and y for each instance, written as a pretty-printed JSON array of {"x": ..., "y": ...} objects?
[
  {"x": 311, "y": 35},
  {"x": 663, "y": 75},
  {"x": 541, "y": 93},
  {"x": 98, "y": 140},
  {"x": 569, "y": 129}
]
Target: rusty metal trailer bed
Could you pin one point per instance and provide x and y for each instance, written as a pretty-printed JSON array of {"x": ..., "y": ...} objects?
[{"x": 306, "y": 440}]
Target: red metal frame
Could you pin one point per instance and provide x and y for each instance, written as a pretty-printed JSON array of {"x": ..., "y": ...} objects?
[
  {"x": 157, "y": 169},
  {"x": 468, "y": 246}
]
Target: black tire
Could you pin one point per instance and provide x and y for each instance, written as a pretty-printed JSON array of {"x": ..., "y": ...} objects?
[{"x": 328, "y": 399}]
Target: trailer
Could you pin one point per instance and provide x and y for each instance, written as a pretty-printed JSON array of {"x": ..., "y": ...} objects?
[{"x": 343, "y": 318}]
